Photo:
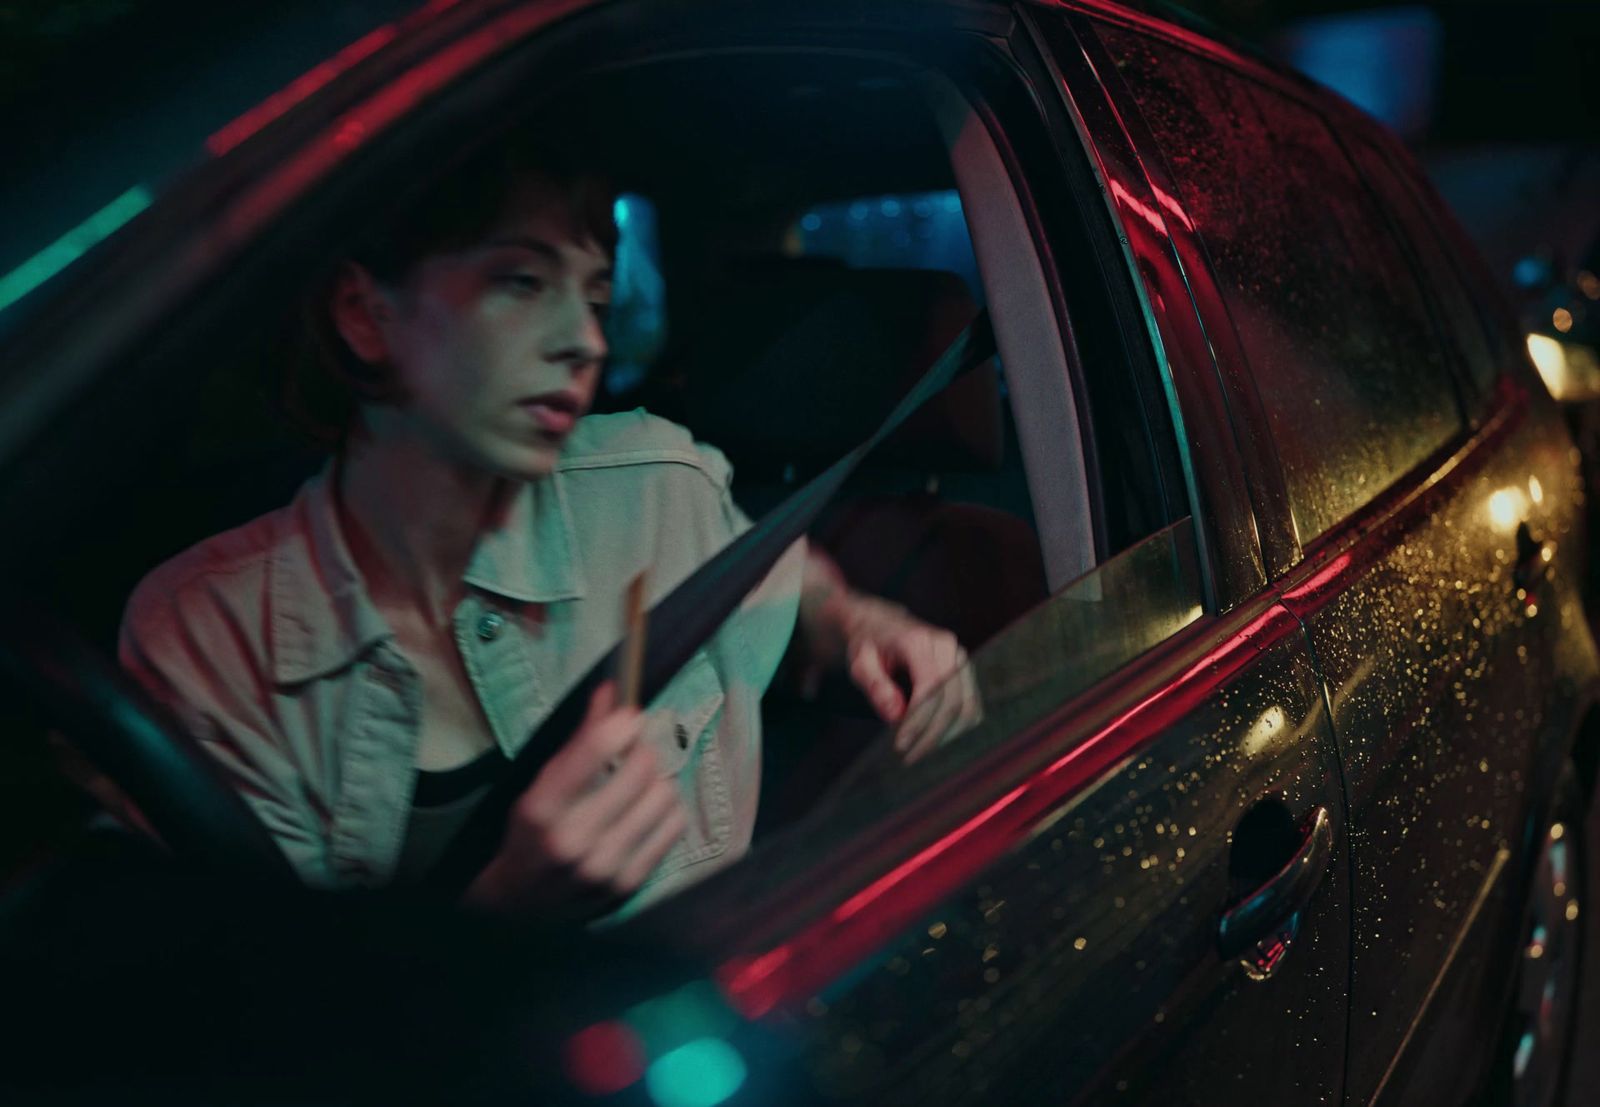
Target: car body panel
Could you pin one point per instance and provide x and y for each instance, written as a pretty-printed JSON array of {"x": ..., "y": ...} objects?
[
  {"x": 1440, "y": 737},
  {"x": 1043, "y": 922},
  {"x": 1429, "y": 660},
  {"x": 1054, "y": 977}
]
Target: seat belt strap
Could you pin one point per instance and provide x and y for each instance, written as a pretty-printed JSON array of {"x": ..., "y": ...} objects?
[{"x": 694, "y": 611}]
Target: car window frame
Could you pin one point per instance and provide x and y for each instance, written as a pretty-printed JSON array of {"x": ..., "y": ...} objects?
[
  {"x": 1114, "y": 357},
  {"x": 684, "y": 915},
  {"x": 1215, "y": 470},
  {"x": 1035, "y": 342},
  {"x": 321, "y": 174},
  {"x": 1283, "y": 549}
]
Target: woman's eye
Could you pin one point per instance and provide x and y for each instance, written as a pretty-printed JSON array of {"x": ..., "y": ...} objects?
[{"x": 525, "y": 283}]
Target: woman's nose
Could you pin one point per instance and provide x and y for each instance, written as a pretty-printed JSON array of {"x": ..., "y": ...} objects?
[{"x": 577, "y": 335}]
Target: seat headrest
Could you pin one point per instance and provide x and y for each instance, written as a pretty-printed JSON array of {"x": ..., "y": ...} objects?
[{"x": 799, "y": 360}]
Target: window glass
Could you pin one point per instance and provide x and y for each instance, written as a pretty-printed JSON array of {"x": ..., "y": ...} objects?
[
  {"x": 1327, "y": 311},
  {"x": 1459, "y": 319},
  {"x": 925, "y": 230},
  {"x": 928, "y": 230},
  {"x": 1082, "y": 635}
]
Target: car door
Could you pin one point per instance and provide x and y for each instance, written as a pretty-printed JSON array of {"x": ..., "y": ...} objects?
[
  {"x": 1137, "y": 860},
  {"x": 1057, "y": 904},
  {"x": 1400, "y": 524}
]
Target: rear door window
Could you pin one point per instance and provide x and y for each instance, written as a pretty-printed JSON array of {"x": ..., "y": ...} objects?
[
  {"x": 1328, "y": 312},
  {"x": 1464, "y": 330}
]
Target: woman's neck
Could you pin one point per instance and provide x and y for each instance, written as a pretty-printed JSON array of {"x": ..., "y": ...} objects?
[{"x": 411, "y": 520}]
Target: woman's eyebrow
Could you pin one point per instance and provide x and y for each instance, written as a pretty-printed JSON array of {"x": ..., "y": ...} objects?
[
  {"x": 532, "y": 245},
  {"x": 545, "y": 251}
]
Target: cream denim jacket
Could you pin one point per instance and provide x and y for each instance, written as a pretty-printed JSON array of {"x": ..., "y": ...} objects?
[{"x": 264, "y": 642}]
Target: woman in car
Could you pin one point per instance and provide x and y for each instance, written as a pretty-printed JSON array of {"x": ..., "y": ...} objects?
[{"x": 360, "y": 660}]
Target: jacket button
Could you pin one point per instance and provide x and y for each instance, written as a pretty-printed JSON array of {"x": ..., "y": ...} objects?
[
  {"x": 489, "y": 626},
  {"x": 682, "y": 733}
]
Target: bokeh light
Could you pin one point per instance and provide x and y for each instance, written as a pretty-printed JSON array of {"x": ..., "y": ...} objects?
[
  {"x": 603, "y": 1059},
  {"x": 703, "y": 1073}
]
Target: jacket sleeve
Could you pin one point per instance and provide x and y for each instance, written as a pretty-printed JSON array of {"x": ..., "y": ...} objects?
[{"x": 190, "y": 649}]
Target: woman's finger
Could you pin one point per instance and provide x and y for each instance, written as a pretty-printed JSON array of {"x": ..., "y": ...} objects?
[
  {"x": 616, "y": 792},
  {"x": 605, "y": 738},
  {"x": 943, "y": 710},
  {"x": 930, "y": 656},
  {"x": 615, "y": 846},
  {"x": 872, "y": 677},
  {"x": 652, "y": 849}
]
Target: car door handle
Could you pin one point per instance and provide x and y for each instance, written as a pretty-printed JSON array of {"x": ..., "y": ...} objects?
[{"x": 1261, "y": 926}]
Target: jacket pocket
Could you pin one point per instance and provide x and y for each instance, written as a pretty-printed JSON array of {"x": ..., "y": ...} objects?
[{"x": 682, "y": 714}]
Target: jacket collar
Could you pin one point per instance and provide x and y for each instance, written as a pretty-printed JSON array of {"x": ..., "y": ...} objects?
[
  {"x": 322, "y": 618},
  {"x": 530, "y": 554}
]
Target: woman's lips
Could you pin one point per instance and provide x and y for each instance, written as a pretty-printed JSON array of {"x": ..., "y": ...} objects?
[{"x": 557, "y": 419}]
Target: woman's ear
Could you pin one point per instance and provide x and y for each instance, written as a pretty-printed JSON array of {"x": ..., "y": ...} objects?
[{"x": 360, "y": 311}]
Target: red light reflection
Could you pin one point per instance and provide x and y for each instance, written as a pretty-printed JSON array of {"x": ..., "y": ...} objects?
[
  {"x": 757, "y": 984},
  {"x": 604, "y": 1058},
  {"x": 1172, "y": 206},
  {"x": 1143, "y": 210},
  {"x": 389, "y": 103},
  {"x": 1149, "y": 214},
  {"x": 298, "y": 89}
]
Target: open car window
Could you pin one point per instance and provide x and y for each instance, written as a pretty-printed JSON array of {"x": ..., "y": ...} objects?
[{"x": 973, "y": 517}]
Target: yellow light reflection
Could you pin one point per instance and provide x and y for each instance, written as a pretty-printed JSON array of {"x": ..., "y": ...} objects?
[
  {"x": 1561, "y": 318},
  {"x": 1536, "y": 490},
  {"x": 1264, "y": 731},
  {"x": 1550, "y": 358},
  {"x": 1571, "y": 370},
  {"x": 1507, "y": 507}
]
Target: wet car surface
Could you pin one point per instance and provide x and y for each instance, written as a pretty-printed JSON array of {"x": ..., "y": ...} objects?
[{"x": 1289, "y": 708}]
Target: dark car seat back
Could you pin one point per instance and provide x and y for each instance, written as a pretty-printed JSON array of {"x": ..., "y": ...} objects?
[
  {"x": 803, "y": 357},
  {"x": 798, "y": 364}
]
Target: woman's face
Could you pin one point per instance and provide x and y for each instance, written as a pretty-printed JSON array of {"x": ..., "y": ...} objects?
[{"x": 497, "y": 347}]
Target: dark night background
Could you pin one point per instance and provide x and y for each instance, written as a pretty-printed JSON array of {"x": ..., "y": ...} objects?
[{"x": 1501, "y": 101}]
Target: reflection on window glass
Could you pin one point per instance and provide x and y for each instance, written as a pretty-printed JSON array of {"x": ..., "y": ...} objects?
[
  {"x": 1461, "y": 321},
  {"x": 1075, "y": 639},
  {"x": 924, "y": 230},
  {"x": 1328, "y": 313},
  {"x": 637, "y": 325}
]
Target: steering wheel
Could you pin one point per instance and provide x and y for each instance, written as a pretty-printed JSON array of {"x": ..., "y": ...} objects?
[{"x": 138, "y": 744}]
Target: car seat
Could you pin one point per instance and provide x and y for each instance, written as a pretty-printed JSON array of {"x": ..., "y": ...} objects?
[{"x": 798, "y": 363}]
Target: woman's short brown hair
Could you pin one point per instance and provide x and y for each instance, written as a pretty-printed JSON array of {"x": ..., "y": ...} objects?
[{"x": 327, "y": 381}]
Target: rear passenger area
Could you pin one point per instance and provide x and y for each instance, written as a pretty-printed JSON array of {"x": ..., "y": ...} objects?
[{"x": 809, "y": 354}]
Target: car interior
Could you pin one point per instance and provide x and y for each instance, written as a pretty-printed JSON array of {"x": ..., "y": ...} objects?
[{"x": 798, "y": 204}]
